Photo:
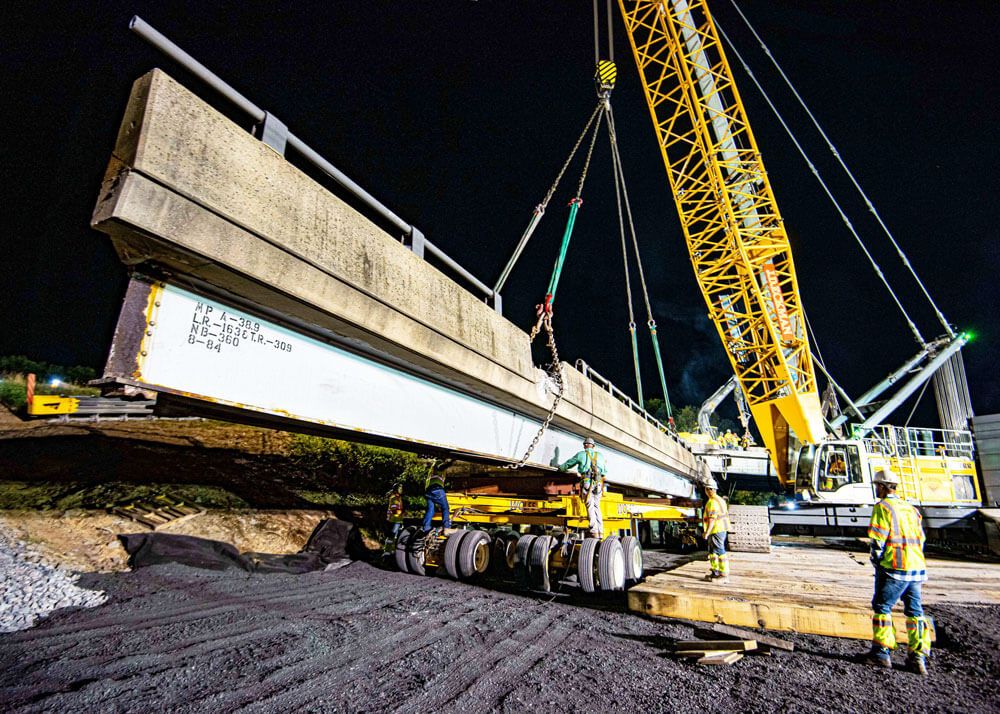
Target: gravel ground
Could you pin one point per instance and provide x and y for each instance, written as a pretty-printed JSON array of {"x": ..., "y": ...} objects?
[
  {"x": 30, "y": 589},
  {"x": 361, "y": 638}
]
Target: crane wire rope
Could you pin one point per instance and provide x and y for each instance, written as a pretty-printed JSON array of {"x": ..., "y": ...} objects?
[
  {"x": 916, "y": 403},
  {"x": 651, "y": 323},
  {"x": 815, "y": 172},
  {"x": 850, "y": 175}
]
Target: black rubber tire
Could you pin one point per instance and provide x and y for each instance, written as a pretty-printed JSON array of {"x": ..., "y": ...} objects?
[
  {"x": 510, "y": 552},
  {"x": 585, "y": 565},
  {"x": 473, "y": 544},
  {"x": 632, "y": 551},
  {"x": 451, "y": 553},
  {"x": 416, "y": 556},
  {"x": 645, "y": 534},
  {"x": 521, "y": 557},
  {"x": 611, "y": 564},
  {"x": 538, "y": 563},
  {"x": 498, "y": 551},
  {"x": 401, "y": 542}
]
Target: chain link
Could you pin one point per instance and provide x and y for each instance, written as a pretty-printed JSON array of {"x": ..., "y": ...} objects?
[{"x": 545, "y": 320}]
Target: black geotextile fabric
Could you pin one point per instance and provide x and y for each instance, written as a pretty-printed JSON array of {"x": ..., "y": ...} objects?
[{"x": 327, "y": 544}]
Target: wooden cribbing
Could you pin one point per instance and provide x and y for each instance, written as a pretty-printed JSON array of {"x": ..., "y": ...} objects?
[
  {"x": 722, "y": 657},
  {"x": 742, "y": 634},
  {"x": 735, "y": 645}
]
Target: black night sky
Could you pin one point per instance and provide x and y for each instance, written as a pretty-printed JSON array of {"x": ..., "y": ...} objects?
[{"x": 458, "y": 114}]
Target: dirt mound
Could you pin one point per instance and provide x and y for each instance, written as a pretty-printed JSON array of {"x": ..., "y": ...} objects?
[{"x": 87, "y": 541}]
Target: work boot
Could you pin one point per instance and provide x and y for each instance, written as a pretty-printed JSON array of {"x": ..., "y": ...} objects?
[
  {"x": 878, "y": 657},
  {"x": 711, "y": 577},
  {"x": 916, "y": 663},
  {"x": 722, "y": 579}
]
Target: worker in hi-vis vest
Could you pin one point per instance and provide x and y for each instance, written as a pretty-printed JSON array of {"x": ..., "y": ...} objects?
[
  {"x": 897, "y": 552},
  {"x": 715, "y": 527},
  {"x": 593, "y": 468},
  {"x": 394, "y": 514},
  {"x": 435, "y": 495}
]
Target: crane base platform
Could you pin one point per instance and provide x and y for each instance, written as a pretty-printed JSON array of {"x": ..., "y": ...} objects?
[{"x": 804, "y": 585}]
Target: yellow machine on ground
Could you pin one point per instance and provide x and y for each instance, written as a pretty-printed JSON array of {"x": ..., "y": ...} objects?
[{"x": 549, "y": 553}]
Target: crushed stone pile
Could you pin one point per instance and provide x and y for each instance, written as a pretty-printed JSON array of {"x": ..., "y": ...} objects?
[{"x": 30, "y": 589}]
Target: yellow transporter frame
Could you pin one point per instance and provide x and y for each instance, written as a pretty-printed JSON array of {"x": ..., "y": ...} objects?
[
  {"x": 564, "y": 511},
  {"x": 537, "y": 559}
]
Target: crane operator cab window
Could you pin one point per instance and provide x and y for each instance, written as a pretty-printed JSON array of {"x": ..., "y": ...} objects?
[{"x": 838, "y": 467}]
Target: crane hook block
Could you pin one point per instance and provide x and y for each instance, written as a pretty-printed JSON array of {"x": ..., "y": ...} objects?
[{"x": 605, "y": 77}]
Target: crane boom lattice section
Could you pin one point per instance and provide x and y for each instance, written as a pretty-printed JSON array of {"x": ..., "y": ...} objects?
[{"x": 734, "y": 231}]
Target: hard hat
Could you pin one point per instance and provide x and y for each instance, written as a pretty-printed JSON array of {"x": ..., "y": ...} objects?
[
  {"x": 711, "y": 483},
  {"x": 889, "y": 478},
  {"x": 589, "y": 442}
]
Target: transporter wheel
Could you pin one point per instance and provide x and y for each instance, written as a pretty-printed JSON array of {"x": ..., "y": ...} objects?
[
  {"x": 416, "y": 555},
  {"x": 401, "y": 543},
  {"x": 611, "y": 564},
  {"x": 633, "y": 559},
  {"x": 521, "y": 552},
  {"x": 450, "y": 555},
  {"x": 538, "y": 563},
  {"x": 499, "y": 547},
  {"x": 585, "y": 564},
  {"x": 474, "y": 554},
  {"x": 504, "y": 552},
  {"x": 645, "y": 534}
]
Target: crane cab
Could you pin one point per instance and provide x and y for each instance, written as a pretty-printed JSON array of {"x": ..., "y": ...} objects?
[{"x": 835, "y": 471}]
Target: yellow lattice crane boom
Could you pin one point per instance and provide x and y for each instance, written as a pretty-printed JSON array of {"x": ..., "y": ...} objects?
[{"x": 734, "y": 231}]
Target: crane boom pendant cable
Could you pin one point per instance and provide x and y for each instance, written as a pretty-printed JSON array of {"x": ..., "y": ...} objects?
[
  {"x": 836, "y": 204},
  {"x": 833, "y": 150}
]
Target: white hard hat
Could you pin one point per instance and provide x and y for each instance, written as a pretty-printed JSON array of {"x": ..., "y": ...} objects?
[
  {"x": 589, "y": 442},
  {"x": 711, "y": 483},
  {"x": 889, "y": 478}
]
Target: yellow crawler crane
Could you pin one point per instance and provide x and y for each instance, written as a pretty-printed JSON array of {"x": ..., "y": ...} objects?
[{"x": 734, "y": 231}]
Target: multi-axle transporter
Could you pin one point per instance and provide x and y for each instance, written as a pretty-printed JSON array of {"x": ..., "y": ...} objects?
[{"x": 487, "y": 537}]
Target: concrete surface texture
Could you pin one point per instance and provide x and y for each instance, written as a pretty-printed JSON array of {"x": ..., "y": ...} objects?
[
  {"x": 365, "y": 639},
  {"x": 191, "y": 191}
]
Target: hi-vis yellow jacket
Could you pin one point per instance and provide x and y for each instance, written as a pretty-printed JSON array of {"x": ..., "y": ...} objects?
[
  {"x": 897, "y": 534},
  {"x": 715, "y": 517},
  {"x": 394, "y": 513}
]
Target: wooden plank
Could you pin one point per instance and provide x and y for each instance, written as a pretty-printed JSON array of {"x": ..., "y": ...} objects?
[
  {"x": 788, "y": 616},
  {"x": 799, "y": 588},
  {"x": 721, "y": 658},
  {"x": 735, "y": 645},
  {"x": 761, "y": 639}
]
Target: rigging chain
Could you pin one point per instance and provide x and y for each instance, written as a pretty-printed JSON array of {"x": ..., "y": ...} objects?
[
  {"x": 544, "y": 310},
  {"x": 545, "y": 320}
]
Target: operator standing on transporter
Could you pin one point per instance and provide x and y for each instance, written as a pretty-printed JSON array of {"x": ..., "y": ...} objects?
[
  {"x": 715, "y": 524},
  {"x": 592, "y": 467},
  {"x": 897, "y": 535},
  {"x": 435, "y": 495}
]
